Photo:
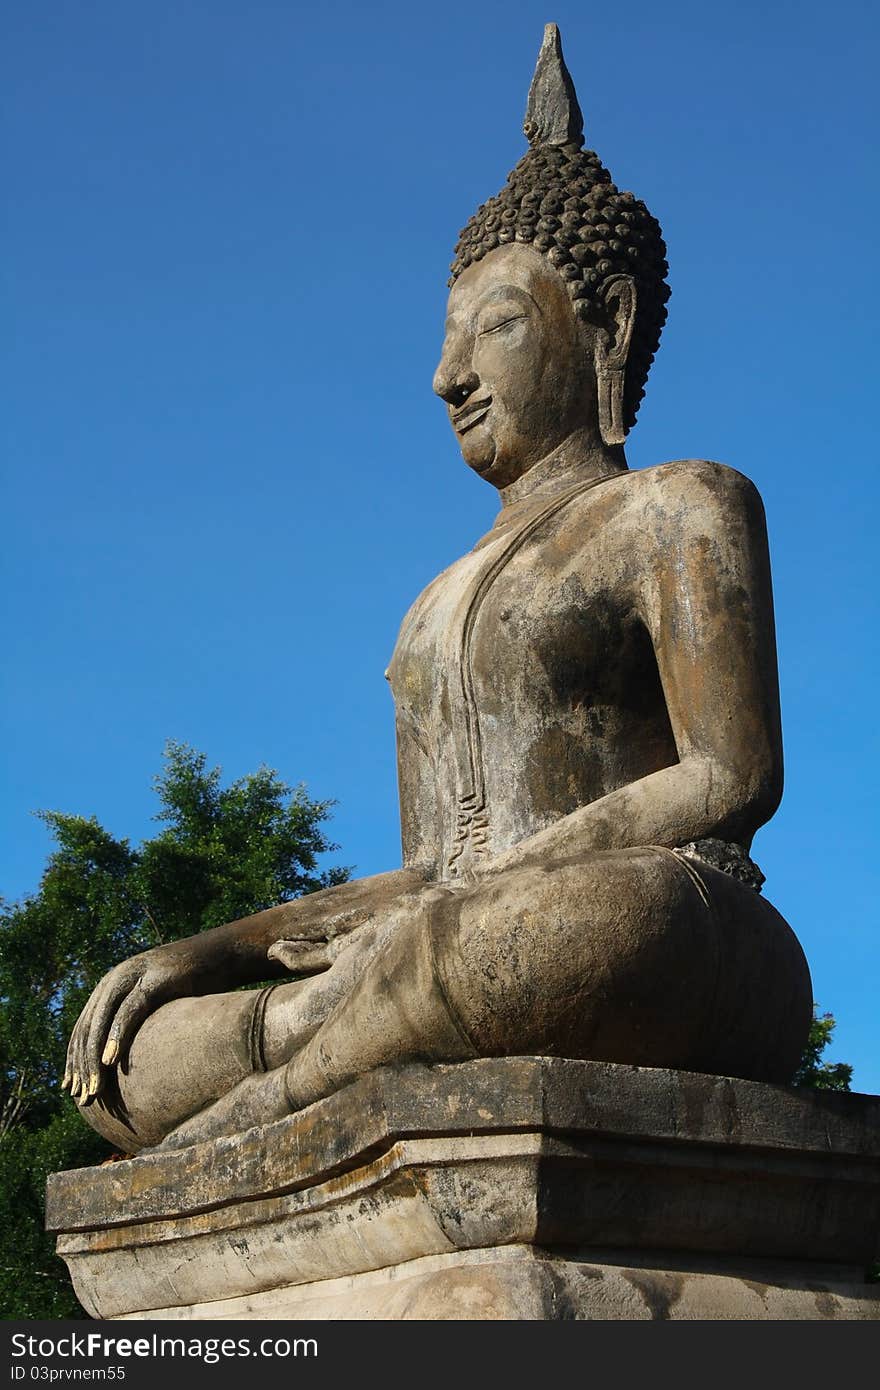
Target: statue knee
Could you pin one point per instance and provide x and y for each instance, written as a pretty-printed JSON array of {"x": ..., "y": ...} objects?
[{"x": 563, "y": 959}]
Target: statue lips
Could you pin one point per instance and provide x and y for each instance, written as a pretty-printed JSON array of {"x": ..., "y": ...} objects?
[{"x": 470, "y": 415}]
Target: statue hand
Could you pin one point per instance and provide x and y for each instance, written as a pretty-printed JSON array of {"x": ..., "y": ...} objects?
[
  {"x": 116, "y": 1009},
  {"x": 307, "y": 955},
  {"x": 316, "y": 944}
]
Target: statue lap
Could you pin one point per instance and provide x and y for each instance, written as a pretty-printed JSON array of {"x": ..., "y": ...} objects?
[{"x": 635, "y": 956}]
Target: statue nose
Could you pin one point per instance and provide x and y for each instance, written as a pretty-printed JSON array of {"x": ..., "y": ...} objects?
[{"x": 455, "y": 387}]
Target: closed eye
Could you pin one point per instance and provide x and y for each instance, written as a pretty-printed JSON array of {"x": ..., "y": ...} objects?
[{"x": 496, "y": 327}]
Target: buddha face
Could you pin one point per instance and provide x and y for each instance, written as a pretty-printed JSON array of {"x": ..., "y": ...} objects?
[{"x": 516, "y": 370}]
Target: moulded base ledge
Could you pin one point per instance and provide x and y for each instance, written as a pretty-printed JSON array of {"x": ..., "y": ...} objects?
[{"x": 507, "y": 1188}]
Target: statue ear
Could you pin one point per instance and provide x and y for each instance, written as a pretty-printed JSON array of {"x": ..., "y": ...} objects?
[{"x": 618, "y": 307}]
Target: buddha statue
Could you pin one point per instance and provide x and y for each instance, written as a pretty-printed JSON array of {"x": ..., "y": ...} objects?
[{"x": 588, "y": 738}]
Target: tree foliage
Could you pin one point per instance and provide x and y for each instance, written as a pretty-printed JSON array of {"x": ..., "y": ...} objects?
[
  {"x": 812, "y": 1071},
  {"x": 223, "y": 852}
]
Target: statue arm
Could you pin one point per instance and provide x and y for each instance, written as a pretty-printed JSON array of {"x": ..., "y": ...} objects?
[{"x": 703, "y": 589}]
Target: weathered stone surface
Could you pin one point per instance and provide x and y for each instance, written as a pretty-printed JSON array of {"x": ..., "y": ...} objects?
[
  {"x": 588, "y": 737},
  {"x": 553, "y": 115},
  {"x": 587, "y": 1166},
  {"x": 515, "y": 1283}
]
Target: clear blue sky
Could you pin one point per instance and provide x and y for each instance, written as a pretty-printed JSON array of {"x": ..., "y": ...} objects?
[{"x": 225, "y": 258}]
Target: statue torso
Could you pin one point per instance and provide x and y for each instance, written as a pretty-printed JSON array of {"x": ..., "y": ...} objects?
[{"x": 525, "y": 679}]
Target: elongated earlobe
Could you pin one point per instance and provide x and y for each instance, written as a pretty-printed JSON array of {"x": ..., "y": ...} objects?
[
  {"x": 609, "y": 381},
  {"x": 612, "y": 351}
]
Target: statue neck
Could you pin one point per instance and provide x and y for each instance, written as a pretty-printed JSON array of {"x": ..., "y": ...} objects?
[{"x": 578, "y": 459}]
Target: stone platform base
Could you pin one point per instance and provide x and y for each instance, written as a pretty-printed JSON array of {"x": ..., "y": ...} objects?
[
  {"x": 515, "y": 1282},
  {"x": 514, "y": 1188}
]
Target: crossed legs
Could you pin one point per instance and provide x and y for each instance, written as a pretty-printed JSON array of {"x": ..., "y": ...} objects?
[{"x": 627, "y": 956}]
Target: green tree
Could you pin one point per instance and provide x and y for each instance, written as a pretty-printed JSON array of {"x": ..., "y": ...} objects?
[
  {"x": 813, "y": 1072},
  {"x": 224, "y": 852}
]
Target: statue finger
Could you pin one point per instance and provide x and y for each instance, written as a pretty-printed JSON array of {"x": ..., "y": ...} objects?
[
  {"x": 67, "y": 1078},
  {"x": 76, "y": 1070},
  {"x": 97, "y": 1050},
  {"x": 136, "y": 1006},
  {"x": 74, "y": 1067}
]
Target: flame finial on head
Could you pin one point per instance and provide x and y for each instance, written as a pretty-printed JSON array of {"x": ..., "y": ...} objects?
[{"x": 553, "y": 116}]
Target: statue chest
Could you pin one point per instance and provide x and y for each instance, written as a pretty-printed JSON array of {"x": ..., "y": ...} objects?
[{"x": 515, "y": 673}]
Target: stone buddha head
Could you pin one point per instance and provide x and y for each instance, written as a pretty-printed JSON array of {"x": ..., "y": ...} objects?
[{"x": 558, "y": 297}]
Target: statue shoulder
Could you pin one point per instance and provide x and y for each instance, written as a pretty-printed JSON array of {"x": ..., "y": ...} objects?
[
  {"x": 698, "y": 477},
  {"x": 698, "y": 493}
]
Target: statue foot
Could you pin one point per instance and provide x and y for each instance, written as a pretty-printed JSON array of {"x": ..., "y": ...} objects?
[{"x": 257, "y": 1100}]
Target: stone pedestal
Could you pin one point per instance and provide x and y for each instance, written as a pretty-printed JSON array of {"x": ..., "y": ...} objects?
[{"x": 521, "y": 1187}]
